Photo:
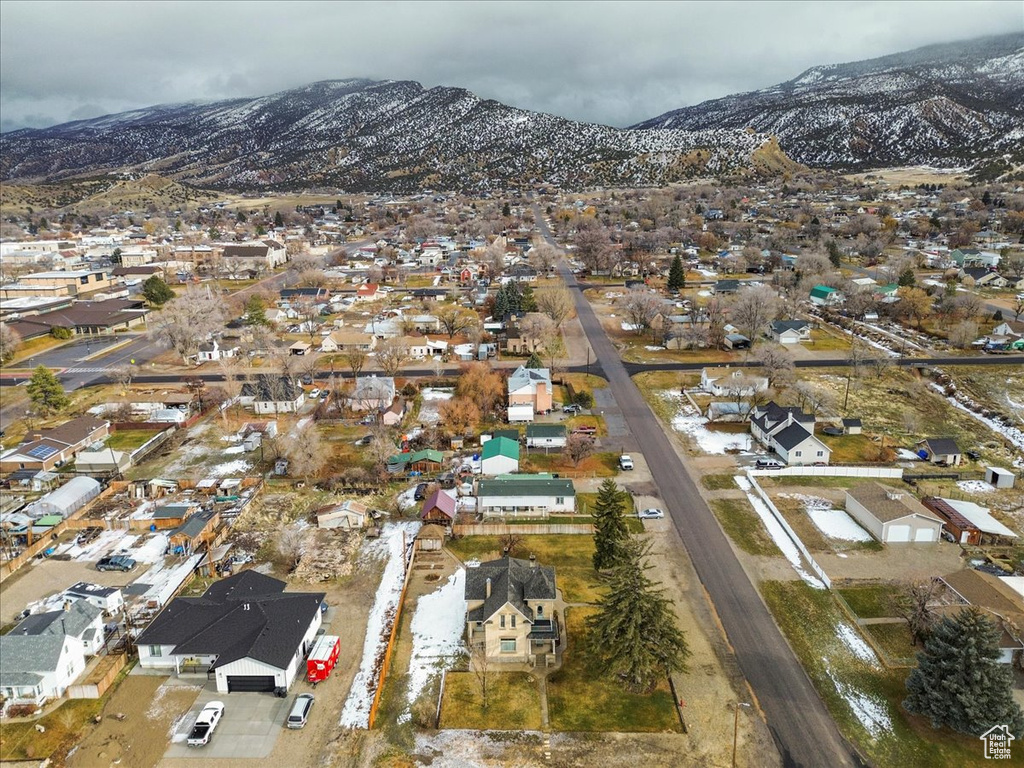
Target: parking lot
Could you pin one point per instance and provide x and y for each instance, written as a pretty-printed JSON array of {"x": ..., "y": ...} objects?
[{"x": 249, "y": 728}]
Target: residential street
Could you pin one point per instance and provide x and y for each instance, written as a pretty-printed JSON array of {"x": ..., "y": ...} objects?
[{"x": 801, "y": 725}]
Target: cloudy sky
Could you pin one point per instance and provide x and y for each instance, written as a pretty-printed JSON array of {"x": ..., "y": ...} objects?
[{"x": 610, "y": 62}]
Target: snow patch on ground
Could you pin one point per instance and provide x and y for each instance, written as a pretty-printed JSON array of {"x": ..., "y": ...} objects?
[
  {"x": 691, "y": 423},
  {"x": 389, "y": 546},
  {"x": 1013, "y": 434},
  {"x": 229, "y": 468},
  {"x": 777, "y": 532},
  {"x": 432, "y": 399},
  {"x": 834, "y": 523},
  {"x": 974, "y": 486},
  {"x": 856, "y": 644},
  {"x": 437, "y": 630},
  {"x": 872, "y": 714},
  {"x": 906, "y": 453},
  {"x": 629, "y": 326},
  {"x": 650, "y": 348}
]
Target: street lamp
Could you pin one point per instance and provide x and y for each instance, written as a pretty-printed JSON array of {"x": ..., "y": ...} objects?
[{"x": 736, "y": 727}]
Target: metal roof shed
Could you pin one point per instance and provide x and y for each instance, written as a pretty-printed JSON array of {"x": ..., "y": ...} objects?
[{"x": 69, "y": 498}]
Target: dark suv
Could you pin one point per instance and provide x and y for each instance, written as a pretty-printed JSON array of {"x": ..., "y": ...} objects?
[{"x": 115, "y": 563}]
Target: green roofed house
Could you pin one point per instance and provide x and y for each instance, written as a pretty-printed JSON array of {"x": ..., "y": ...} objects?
[
  {"x": 545, "y": 436},
  {"x": 499, "y": 456},
  {"x": 427, "y": 460},
  {"x": 539, "y": 496},
  {"x": 823, "y": 296}
]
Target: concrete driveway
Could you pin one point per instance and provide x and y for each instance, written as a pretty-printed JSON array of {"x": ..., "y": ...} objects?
[{"x": 249, "y": 728}]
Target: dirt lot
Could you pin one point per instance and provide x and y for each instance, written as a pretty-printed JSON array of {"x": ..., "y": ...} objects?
[
  {"x": 140, "y": 739},
  {"x": 45, "y": 577}
]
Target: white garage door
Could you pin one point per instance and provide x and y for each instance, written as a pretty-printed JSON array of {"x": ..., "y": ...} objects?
[
  {"x": 898, "y": 533},
  {"x": 925, "y": 534}
]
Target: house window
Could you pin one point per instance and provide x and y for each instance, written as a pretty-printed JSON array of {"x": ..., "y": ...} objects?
[
  {"x": 559, "y": 500},
  {"x": 502, "y": 621},
  {"x": 513, "y": 621},
  {"x": 508, "y": 645},
  {"x": 540, "y": 611},
  {"x": 155, "y": 650},
  {"x": 821, "y": 453},
  {"x": 798, "y": 453}
]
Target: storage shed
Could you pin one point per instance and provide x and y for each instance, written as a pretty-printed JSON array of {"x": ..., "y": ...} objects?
[
  {"x": 1000, "y": 478},
  {"x": 892, "y": 515},
  {"x": 69, "y": 498}
]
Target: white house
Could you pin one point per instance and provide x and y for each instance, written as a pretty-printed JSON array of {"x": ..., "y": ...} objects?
[
  {"x": 77, "y": 619},
  {"x": 545, "y": 436},
  {"x": 245, "y": 629},
  {"x": 38, "y": 668},
  {"x": 272, "y": 394},
  {"x": 790, "y": 331},
  {"x": 731, "y": 382},
  {"x": 511, "y": 496},
  {"x": 789, "y": 433},
  {"x": 892, "y": 515},
  {"x": 499, "y": 456},
  {"x": 110, "y": 600},
  {"x": 372, "y": 393},
  {"x": 211, "y": 351},
  {"x": 344, "y": 340}
]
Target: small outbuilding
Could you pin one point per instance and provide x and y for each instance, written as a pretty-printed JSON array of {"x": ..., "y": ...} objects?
[
  {"x": 892, "y": 515},
  {"x": 69, "y": 498},
  {"x": 438, "y": 508},
  {"x": 1000, "y": 478},
  {"x": 499, "y": 456},
  {"x": 940, "y": 450}
]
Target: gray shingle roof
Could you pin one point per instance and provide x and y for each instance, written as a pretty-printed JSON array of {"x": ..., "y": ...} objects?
[
  {"x": 28, "y": 654},
  {"x": 513, "y": 581},
  {"x": 248, "y": 615},
  {"x": 73, "y": 621},
  {"x": 942, "y": 446},
  {"x": 792, "y": 436}
]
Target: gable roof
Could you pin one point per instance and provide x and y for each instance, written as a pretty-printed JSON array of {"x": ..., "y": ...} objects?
[
  {"x": 500, "y": 446},
  {"x": 73, "y": 622},
  {"x": 887, "y": 503},
  {"x": 244, "y": 616},
  {"x": 440, "y": 500},
  {"x": 545, "y": 430},
  {"x": 513, "y": 581},
  {"x": 822, "y": 291},
  {"x": 941, "y": 446},
  {"x": 271, "y": 389},
  {"x": 525, "y": 485},
  {"x": 26, "y": 655},
  {"x": 781, "y": 326},
  {"x": 374, "y": 388},
  {"x": 524, "y": 377},
  {"x": 793, "y": 435}
]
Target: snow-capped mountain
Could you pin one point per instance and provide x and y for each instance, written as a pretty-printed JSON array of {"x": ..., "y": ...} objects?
[
  {"x": 946, "y": 105},
  {"x": 366, "y": 135}
]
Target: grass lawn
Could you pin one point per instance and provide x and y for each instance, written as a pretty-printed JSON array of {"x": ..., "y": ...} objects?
[
  {"x": 770, "y": 481},
  {"x": 823, "y": 339},
  {"x": 64, "y": 726},
  {"x": 597, "y": 465},
  {"x": 580, "y": 698},
  {"x": 744, "y": 527},
  {"x": 855, "y": 448},
  {"x": 34, "y": 347},
  {"x": 513, "y": 701},
  {"x": 585, "y": 503},
  {"x": 130, "y": 439},
  {"x": 587, "y": 420},
  {"x": 808, "y": 618},
  {"x": 872, "y": 601},
  {"x": 895, "y": 640},
  {"x": 572, "y": 556},
  {"x": 584, "y": 381},
  {"x": 718, "y": 482}
]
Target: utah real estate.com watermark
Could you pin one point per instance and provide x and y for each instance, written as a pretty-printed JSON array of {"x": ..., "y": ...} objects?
[{"x": 997, "y": 742}]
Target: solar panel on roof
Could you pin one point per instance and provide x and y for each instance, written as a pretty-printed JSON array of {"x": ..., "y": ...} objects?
[{"x": 42, "y": 452}]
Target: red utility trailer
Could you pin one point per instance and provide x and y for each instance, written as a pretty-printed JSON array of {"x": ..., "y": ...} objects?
[{"x": 322, "y": 658}]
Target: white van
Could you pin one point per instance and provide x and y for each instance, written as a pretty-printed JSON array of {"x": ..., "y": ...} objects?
[{"x": 299, "y": 713}]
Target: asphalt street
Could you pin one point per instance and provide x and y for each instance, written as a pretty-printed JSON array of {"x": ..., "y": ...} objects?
[{"x": 802, "y": 728}]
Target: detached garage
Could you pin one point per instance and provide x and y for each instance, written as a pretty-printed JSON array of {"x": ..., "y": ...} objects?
[{"x": 893, "y": 516}]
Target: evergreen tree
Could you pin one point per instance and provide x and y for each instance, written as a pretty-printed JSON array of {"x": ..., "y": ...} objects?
[
  {"x": 156, "y": 291},
  {"x": 46, "y": 391},
  {"x": 534, "y": 361},
  {"x": 610, "y": 532},
  {"x": 677, "y": 274},
  {"x": 255, "y": 312},
  {"x": 115, "y": 256},
  {"x": 527, "y": 301},
  {"x": 506, "y": 211},
  {"x": 907, "y": 278},
  {"x": 240, "y": 217},
  {"x": 278, "y": 220},
  {"x": 959, "y": 681},
  {"x": 634, "y": 633},
  {"x": 998, "y": 315},
  {"x": 835, "y": 256}
]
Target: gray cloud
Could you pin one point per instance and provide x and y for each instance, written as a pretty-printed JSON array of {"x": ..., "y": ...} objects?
[{"x": 615, "y": 63}]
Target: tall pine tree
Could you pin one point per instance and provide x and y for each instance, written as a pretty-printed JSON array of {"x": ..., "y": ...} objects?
[
  {"x": 46, "y": 391},
  {"x": 959, "y": 681},
  {"x": 676, "y": 275},
  {"x": 634, "y": 633},
  {"x": 610, "y": 532}
]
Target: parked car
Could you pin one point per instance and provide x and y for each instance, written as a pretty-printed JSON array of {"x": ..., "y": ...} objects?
[
  {"x": 314, "y": 393},
  {"x": 420, "y": 493},
  {"x": 325, "y": 394},
  {"x": 973, "y": 455},
  {"x": 299, "y": 713},
  {"x": 115, "y": 563},
  {"x": 625, "y": 462},
  {"x": 768, "y": 464},
  {"x": 206, "y": 723},
  {"x": 651, "y": 514},
  {"x": 306, "y": 379},
  {"x": 584, "y": 429},
  {"x": 572, "y": 408}
]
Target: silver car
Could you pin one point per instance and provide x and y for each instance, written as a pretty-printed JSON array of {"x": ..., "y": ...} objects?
[{"x": 299, "y": 713}]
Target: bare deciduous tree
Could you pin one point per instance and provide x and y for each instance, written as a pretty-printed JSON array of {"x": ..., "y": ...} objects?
[
  {"x": 455, "y": 319},
  {"x": 556, "y": 303},
  {"x": 642, "y": 308},
  {"x": 9, "y": 342},
  {"x": 777, "y": 363},
  {"x": 912, "y": 604},
  {"x": 578, "y": 447},
  {"x": 355, "y": 358},
  {"x": 963, "y": 334},
  {"x": 187, "y": 321},
  {"x": 306, "y": 455},
  {"x": 391, "y": 355},
  {"x": 593, "y": 248},
  {"x": 754, "y": 308},
  {"x": 291, "y": 544}
]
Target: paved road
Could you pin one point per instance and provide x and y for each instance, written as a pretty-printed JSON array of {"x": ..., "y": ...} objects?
[{"x": 798, "y": 720}]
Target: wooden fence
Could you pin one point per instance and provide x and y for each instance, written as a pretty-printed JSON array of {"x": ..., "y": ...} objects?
[
  {"x": 501, "y": 529},
  {"x": 100, "y": 679},
  {"x": 386, "y": 664}
]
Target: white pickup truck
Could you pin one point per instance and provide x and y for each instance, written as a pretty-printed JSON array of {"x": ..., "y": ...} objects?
[{"x": 205, "y": 724}]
